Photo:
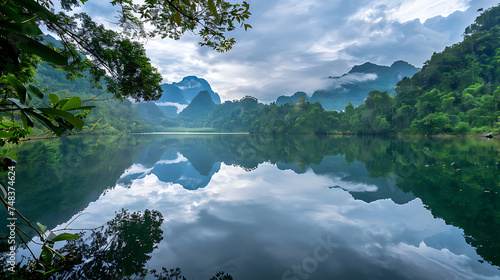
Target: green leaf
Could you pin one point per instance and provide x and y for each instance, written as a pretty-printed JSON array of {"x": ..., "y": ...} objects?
[
  {"x": 46, "y": 256},
  {"x": 54, "y": 99},
  {"x": 6, "y": 135},
  {"x": 62, "y": 102},
  {"x": 34, "y": 47},
  {"x": 177, "y": 18},
  {"x": 20, "y": 88},
  {"x": 45, "y": 121},
  {"x": 213, "y": 9},
  {"x": 65, "y": 115},
  {"x": 27, "y": 122},
  {"x": 42, "y": 227},
  {"x": 34, "y": 91},
  {"x": 22, "y": 28},
  {"x": 52, "y": 271},
  {"x": 187, "y": 2},
  {"x": 85, "y": 108},
  {"x": 65, "y": 236},
  {"x": 7, "y": 11},
  {"x": 73, "y": 103},
  {"x": 17, "y": 103},
  {"x": 7, "y": 124},
  {"x": 39, "y": 10}
]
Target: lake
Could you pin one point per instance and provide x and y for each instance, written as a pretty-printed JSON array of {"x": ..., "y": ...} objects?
[{"x": 270, "y": 207}]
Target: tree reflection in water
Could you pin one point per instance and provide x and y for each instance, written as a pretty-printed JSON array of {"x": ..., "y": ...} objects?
[{"x": 120, "y": 250}]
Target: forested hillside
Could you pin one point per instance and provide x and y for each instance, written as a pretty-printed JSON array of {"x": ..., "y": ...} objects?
[
  {"x": 456, "y": 92},
  {"x": 117, "y": 116},
  {"x": 354, "y": 86}
]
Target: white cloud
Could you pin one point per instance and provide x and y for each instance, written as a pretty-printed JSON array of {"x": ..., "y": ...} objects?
[
  {"x": 179, "y": 107},
  {"x": 265, "y": 213},
  {"x": 425, "y": 9},
  {"x": 406, "y": 10},
  {"x": 294, "y": 44},
  {"x": 352, "y": 78}
]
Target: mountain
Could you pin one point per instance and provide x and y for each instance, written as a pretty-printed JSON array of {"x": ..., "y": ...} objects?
[
  {"x": 458, "y": 90},
  {"x": 172, "y": 93},
  {"x": 291, "y": 99},
  {"x": 199, "y": 108},
  {"x": 190, "y": 86},
  {"x": 354, "y": 86},
  {"x": 177, "y": 96}
]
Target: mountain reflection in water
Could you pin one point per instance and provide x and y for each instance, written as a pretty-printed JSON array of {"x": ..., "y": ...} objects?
[{"x": 284, "y": 207}]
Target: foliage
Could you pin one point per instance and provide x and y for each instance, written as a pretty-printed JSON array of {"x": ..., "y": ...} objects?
[
  {"x": 121, "y": 247},
  {"x": 117, "y": 116},
  {"x": 114, "y": 52},
  {"x": 90, "y": 50},
  {"x": 456, "y": 92}
]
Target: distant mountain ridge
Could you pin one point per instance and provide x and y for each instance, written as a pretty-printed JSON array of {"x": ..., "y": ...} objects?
[
  {"x": 176, "y": 97},
  {"x": 199, "y": 108},
  {"x": 172, "y": 93},
  {"x": 354, "y": 86},
  {"x": 186, "y": 90}
]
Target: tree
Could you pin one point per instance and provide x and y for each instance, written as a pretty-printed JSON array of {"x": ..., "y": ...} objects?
[
  {"x": 349, "y": 111},
  {"x": 109, "y": 59}
]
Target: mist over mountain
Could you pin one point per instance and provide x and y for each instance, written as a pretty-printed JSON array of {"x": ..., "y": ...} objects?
[
  {"x": 190, "y": 86},
  {"x": 354, "y": 86},
  {"x": 172, "y": 93},
  {"x": 456, "y": 92},
  {"x": 177, "y": 96}
]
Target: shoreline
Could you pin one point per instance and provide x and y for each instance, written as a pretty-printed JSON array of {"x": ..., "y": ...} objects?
[{"x": 261, "y": 133}]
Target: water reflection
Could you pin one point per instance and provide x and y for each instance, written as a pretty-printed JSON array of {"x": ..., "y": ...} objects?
[
  {"x": 118, "y": 250},
  {"x": 258, "y": 207}
]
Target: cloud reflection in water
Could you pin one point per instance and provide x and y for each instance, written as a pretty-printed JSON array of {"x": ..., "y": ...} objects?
[{"x": 258, "y": 224}]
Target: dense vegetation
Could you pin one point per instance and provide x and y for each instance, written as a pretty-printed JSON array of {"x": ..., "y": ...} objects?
[
  {"x": 111, "y": 60},
  {"x": 115, "y": 116},
  {"x": 456, "y": 92}
]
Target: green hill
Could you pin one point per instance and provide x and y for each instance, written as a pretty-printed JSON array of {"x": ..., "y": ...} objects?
[
  {"x": 119, "y": 116},
  {"x": 199, "y": 108},
  {"x": 456, "y": 92}
]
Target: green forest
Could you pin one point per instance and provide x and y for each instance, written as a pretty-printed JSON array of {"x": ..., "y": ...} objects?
[
  {"x": 99, "y": 81},
  {"x": 457, "y": 92}
]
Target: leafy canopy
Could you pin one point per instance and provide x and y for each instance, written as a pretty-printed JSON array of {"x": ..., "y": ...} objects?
[{"x": 112, "y": 60}]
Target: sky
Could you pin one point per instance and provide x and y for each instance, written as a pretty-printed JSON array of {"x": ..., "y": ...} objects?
[{"x": 295, "y": 44}]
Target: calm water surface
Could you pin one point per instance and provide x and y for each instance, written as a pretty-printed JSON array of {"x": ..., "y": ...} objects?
[{"x": 278, "y": 207}]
